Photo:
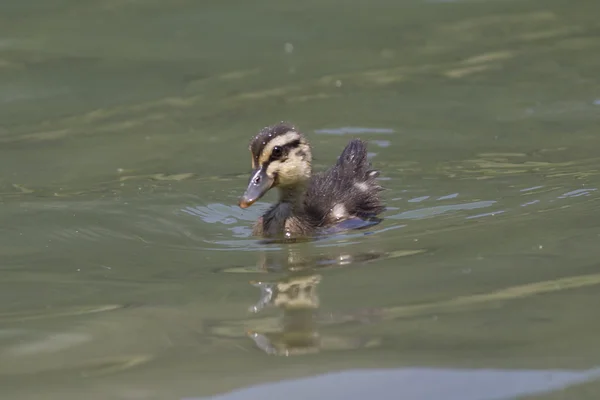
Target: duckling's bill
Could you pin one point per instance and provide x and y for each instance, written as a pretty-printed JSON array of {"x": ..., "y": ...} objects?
[{"x": 259, "y": 184}]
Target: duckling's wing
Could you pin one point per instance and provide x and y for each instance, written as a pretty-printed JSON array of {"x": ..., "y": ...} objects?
[{"x": 349, "y": 188}]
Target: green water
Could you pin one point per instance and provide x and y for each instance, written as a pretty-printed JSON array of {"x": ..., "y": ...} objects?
[{"x": 125, "y": 262}]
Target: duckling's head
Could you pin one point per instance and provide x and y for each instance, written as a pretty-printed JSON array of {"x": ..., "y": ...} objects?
[{"x": 281, "y": 158}]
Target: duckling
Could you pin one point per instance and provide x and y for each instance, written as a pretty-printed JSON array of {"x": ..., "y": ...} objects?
[{"x": 281, "y": 158}]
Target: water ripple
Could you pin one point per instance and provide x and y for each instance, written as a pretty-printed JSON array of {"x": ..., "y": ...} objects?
[
  {"x": 437, "y": 210},
  {"x": 577, "y": 193},
  {"x": 489, "y": 214},
  {"x": 448, "y": 197},
  {"x": 221, "y": 213}
]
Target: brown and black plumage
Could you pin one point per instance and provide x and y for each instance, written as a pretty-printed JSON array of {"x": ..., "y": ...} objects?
[{"x": 281, "y": 158}]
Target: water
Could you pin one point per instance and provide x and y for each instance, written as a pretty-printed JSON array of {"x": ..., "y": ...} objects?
[{"x": 128, "y": 271}]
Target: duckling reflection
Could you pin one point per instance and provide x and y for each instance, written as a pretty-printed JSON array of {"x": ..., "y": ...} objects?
[
  {"x": 297, "y": 297},
  {"x": 298, "y": 292}
]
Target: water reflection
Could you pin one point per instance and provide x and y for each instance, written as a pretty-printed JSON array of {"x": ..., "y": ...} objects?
[
  {"x": 419, "y": 384},
  {"x": 297, "y": 298},
  {"x": 297, "y": 329}
]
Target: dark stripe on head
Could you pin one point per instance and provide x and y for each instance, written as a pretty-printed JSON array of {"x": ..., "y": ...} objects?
[
  {"x": 285, "y": 150},
  {"x": 259, "y": 142}
]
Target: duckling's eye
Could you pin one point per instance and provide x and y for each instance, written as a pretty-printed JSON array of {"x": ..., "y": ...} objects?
[{"x": 276, "y": 153}]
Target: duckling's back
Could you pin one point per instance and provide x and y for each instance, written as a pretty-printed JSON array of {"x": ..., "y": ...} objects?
[{"x": 348, "y": 189}]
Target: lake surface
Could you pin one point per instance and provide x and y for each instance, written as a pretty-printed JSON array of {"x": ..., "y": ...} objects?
[{"x": 128, "y": 272}]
